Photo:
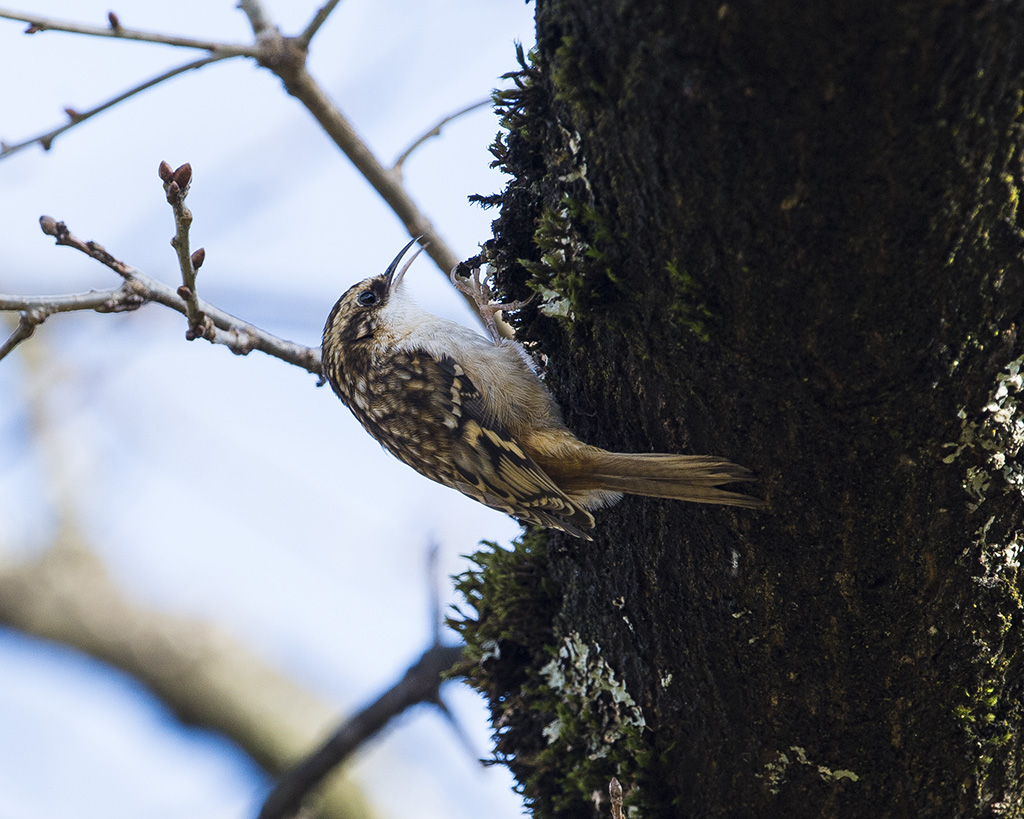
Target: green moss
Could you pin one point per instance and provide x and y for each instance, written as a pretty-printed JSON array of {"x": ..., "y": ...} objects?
[
  {"x": 990, "y": 451},
  {"x": 572, "y": 264},
  {"x": 510, "y": 606},
  {"x": 563, "y": 720},
  {"x": 513, "y": 602},
  {"x": 574, "y": 86},
  {"x": 984, "y": 714},
  {"x": 687, "y": 310}
]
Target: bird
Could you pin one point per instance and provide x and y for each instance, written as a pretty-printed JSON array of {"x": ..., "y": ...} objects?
[{"x": 472, "y": 413}]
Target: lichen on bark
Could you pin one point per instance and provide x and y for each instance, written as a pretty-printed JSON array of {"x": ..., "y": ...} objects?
[{"x": 791, "y": 236}]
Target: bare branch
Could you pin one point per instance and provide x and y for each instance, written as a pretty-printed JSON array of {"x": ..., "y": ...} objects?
[
  {"x": 102, "y": 301},
  {"x": 176, "y": 185},
  {"x": 78, "y": 117},
  {"x": 27, "y": 324},
  {"x": 259, "y": 20},
  {"x": 433, "y": 132},
  {"x": 419, "y": 684},
  {"x": 38, "y": 23},
  {"x": 318, "y": 20},
  {"x": 36, "y": 309},
  {"x": 388, "y": 184},
  {"x": 286, "y": 57},
  {"x": 237, "y": 335}
]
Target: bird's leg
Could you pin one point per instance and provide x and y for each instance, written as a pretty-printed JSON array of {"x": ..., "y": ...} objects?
[{"x": 471, "y": 286}]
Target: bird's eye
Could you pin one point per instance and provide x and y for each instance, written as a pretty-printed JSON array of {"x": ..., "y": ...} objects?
[{"x": 367, "y": 298}]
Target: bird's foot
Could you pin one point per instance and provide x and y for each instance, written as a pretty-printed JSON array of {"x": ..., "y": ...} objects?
[{"x": 478, "y": 291}]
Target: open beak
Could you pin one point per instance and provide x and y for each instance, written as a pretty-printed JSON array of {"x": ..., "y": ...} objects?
[{"x": 390, "y": 279}]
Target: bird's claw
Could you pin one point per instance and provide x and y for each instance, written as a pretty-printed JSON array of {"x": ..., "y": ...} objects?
[{"x": 472, "y": 287}]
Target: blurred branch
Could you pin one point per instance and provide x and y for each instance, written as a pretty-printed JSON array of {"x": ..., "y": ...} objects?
[
  {"x": 27, "y": 323},
  {"x": 318, "y": 20},
  {"x": 38, "y": 23},
  {"x": 259, "y": 20},
  {"x": 433, "y": 132},
  {"x": 238, "y": 336},
  {"x": 65, "y": 595},
  {"x": 206, "y": 678},
  {"x": 78, "y": 117},
  {"x": 420, "y": 683}
]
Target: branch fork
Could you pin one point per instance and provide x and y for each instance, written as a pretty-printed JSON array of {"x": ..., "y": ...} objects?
[{"x": 204, "y": 320}]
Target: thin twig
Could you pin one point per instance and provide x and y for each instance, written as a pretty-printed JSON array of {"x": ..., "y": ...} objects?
[
  {"x": 438, "y": 621},
  {"x": 259, "y": 20},
  {"x": 435, "y": 131},
  {"x": 36, "y": 309},
  {"x": 238, "y": 336},
  {"x": 176, "y": 184},
  {"x": 78, "y": 117},
  {"x": 318, "y": 20},
  {"x": 116, "y": 300},
  {"x": 419, "y": 684},
  {"x": 38, "y": 23},
  {"x": 285, "y": 57},
  {"x": 27, "y": 323}
]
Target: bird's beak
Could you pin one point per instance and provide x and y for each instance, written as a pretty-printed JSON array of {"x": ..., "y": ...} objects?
[{"x": 390, "y": 279}]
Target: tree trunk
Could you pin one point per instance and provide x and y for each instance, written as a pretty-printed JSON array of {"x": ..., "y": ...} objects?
[{"x": 787, "y": 234}]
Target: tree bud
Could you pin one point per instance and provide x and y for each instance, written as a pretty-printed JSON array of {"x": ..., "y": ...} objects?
[{"x": 183, "y": 175}]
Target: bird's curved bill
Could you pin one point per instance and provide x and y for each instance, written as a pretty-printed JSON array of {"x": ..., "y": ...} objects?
[{"x": 391, "y": 279}]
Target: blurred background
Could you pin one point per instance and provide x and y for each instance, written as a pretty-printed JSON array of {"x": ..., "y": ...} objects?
[{"x": 224, "y": 489}]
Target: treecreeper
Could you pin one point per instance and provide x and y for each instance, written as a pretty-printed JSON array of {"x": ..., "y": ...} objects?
[{"x": 472, "y": 413}]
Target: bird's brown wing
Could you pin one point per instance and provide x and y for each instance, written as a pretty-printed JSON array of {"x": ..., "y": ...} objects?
[{"x": 430, "y": 414}]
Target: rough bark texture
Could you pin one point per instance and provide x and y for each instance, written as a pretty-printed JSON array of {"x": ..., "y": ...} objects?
[{"x": 788, "y": 234}]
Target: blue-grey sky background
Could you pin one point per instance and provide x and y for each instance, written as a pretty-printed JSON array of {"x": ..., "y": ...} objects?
[{"x": 312, "y": 542}]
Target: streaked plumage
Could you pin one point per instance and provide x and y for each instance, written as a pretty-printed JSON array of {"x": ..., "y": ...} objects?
[{"x": 472, "y": 414}]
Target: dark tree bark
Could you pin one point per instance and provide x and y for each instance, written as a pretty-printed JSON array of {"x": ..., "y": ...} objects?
[{"x": 788, "y": 234}]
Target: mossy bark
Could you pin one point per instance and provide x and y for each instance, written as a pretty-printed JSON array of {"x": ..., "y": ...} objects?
[{"x": 787, "y": 234}]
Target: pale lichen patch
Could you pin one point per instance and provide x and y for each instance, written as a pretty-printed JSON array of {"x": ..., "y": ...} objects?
[
  {"x": 776, "y": 770},
  {"x": 582, "y": 679},
  {"x": 997, "y": 432}
]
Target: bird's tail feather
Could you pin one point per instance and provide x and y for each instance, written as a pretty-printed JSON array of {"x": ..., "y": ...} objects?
[{"x": 682, "y": 477}]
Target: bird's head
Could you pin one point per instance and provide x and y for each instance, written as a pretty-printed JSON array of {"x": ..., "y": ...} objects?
[{"x": 361, "y": 311}]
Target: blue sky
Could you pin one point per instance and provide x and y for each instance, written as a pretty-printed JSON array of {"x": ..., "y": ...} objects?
[{"x": 300, "y": 537}]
